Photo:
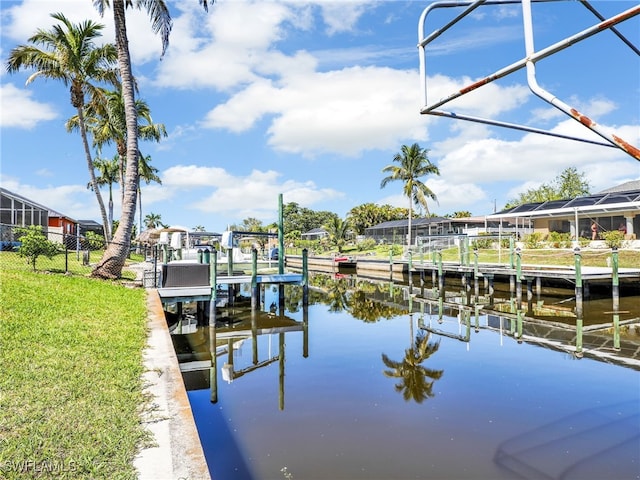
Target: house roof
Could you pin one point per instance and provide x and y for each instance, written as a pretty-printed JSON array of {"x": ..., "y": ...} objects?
[
  {"x": 315, "y": 231},
  {"x": 24, "y": 199},
  {"x": 614, "y": 200},
  {"x": 415, "y": 222}
]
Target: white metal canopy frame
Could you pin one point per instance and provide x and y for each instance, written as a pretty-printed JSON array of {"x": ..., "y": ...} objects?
[{"x": 529, "y": 61}]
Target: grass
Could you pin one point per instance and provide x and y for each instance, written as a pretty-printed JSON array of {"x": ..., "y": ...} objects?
[{"x": 71, "y": 389}]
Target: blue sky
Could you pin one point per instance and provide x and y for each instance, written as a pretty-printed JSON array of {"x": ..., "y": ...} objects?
[{"x": 313, "y": 99}]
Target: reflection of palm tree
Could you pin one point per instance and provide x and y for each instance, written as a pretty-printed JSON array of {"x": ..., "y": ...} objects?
[
  {"x": 337, "y": 295},
  {"x": 413, "y": 376}
]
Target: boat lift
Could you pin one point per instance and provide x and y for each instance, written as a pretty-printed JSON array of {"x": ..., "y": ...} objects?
[{"x": 528, "y": 62}]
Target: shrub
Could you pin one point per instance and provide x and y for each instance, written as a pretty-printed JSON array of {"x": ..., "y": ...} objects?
[
  {"x": 482, "y": 243},
  {"x": 613, "y": 239},
  {"x": 505, "y": 242},
  {"x": 560, "y": 240},
  {"x": 533, "y": 240},
  {"x": 94, "y": 241},
  {"x": 34, "y": 243},
  {"x": 366, "y": 244}
]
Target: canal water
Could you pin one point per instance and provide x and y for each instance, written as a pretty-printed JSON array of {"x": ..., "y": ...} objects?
[{"x": 380, "y": 381}]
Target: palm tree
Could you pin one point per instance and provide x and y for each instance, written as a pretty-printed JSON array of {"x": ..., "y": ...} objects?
[
  {"x": 152, "y": 220},
  {"x": 108, "y": 175},
  {"x": 413, "y": 164},
  {"x": 110, "y": 266},
  {"x": 337, "y": 230},
  {"x": 71, "y": 56}
]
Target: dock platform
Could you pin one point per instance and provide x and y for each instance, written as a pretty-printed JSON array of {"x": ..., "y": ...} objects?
[{"x": 197, "y": 293}]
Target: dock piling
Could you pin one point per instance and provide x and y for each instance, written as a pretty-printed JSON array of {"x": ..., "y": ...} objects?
[{"x": 579, "y": 292}]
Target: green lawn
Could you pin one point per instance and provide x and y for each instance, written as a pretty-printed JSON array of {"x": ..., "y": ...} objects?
[{"x": 71, "y": 393}]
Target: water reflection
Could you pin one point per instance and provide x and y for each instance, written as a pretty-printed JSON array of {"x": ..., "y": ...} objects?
[
  {"x": 359, "y": 366},
  {"x": 413, "y": 377}
]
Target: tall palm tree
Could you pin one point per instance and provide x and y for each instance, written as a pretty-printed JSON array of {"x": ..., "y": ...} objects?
[
  {"x": 413, "y": 163},
  {"x": 110, "y": 266},
  {"x": 70, "y": 55},
  {"x": 107, "y": 175},
  {"x": 148, "y": 174}
]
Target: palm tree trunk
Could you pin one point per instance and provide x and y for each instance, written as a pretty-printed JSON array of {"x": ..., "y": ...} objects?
[
  {"x": 92, "y": 174},
  {"x": 112, "y": 262},
  {"x": 409, "y": 231},
  {"x": 110, "y": 208}
]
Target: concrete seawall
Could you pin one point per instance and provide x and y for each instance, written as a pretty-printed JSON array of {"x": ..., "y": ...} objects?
[{"x": 178, "y": 452}]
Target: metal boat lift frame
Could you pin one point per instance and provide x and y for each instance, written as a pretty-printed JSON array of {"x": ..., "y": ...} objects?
[{"x": 529, "y": 61}]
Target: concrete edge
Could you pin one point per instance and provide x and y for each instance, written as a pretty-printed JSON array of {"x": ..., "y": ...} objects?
[{"x": 178, "y": 453}]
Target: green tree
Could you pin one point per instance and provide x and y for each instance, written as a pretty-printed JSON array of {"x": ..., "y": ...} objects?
[
  {"x": 460, "y": 214},
  {"x": 153, "y": 220},
  {"x": 34, "y": 243},
  {"x": 338, "y": 230},
  {"x": 369, "y": 214},
  {"x": 112, "y": 262},
  {"x": 413, "y": 163},
  {"x": 568, "y": 184},
  {"x": 69, "y": 54},
  {"x": 303, "y": 219}
]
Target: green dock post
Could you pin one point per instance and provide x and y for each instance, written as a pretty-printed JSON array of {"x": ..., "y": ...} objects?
[
  {"x": 255, "y": 297},
  {"x": 305, "y": 277},
  {"x": 615, "y": 280},
  {"x": 476, "y": 280},
  {"x": 616, "y": 332},
  {"x": 213, "y": 280},
  {"x": 440, "y": 275},
  {"x": 410, "y": 259},
  {"x": 511, "y": 252},
  {"x": 280, "y": 235},
  {"x": 518, "y": 278},
  {"x": 578, "y": 267},
  {"x": 466, "y": 251},
  {"x": 433, "y": 271},
  {"x": 200, "y": 256}
]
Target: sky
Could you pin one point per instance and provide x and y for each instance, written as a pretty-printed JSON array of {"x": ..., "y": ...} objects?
[{"x": 313, "y": 99}]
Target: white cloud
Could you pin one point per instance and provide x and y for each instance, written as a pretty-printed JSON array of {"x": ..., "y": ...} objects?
[
  {"x": 253, "y": 195},
  {"x": 346, "y": 111},
  {"x": 343, "y": 16},
  {"x": 20, "y": 110}
]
